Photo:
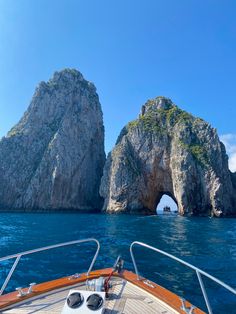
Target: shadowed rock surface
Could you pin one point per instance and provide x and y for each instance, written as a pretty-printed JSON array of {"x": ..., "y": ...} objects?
[
  {"x": 168, "y": 151},
  {"x": 53, "y": 158}
]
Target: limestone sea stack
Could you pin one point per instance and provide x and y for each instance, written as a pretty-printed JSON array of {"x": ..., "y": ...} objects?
[
  {"x": 54, "y": 157},
  {"x": 168, "y": 151}
]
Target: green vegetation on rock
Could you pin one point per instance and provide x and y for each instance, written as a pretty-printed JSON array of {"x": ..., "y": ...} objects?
[
  {"x": 149, "y": 122},
  {"x": 198, "y": 152},
  {"x": 133, "y": 124},
  {"x": 175, "y": 115},
  {"x": 157, "y": 120},
  {"x": 162, "y": 120}
]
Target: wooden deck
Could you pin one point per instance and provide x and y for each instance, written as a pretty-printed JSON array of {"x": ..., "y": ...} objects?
[
  {"x": 125, "y": 298},
  {"x": 127, "y": 295}
]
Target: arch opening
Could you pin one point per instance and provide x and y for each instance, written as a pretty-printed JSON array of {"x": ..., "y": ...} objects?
[{"x": 166, "y": 204}]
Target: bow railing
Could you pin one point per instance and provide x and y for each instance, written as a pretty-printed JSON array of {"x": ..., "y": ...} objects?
[
  {"x": 18, "y": 256},
  {"x": 198, "y": 271}
]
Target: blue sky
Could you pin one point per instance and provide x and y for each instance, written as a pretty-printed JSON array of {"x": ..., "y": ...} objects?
[{"x": 132, "y": 50}]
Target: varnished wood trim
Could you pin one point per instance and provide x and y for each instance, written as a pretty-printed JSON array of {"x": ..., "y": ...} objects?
[
  {"x": 11, "y": 298},
  {"x": 161, "y": 293}
]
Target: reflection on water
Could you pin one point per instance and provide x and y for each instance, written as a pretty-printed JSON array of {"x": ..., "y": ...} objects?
[{"x": 207, "y": 243}]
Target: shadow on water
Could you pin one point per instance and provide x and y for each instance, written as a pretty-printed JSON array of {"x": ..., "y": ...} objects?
[{"x": 209, "y": 244}]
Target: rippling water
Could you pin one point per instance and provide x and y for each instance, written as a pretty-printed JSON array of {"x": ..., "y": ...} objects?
[{"x": 209, "y": 244}]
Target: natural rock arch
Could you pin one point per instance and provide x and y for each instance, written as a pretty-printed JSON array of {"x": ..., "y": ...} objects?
[
  {"x": 167, "y": 151},
  {"x": 136, "y": 186},
  {"x": 164, "y": 193}
]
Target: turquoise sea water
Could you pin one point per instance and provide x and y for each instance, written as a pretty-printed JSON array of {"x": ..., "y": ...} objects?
[{"x": 209, "y": 244}]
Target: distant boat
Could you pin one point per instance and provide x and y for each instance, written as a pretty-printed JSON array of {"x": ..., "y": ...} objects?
[{"x": 166, "y": 209}]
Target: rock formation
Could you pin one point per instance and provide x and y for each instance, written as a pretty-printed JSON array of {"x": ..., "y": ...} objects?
[
  {"x": 53, "y": 158},
  {"x": 168, "y": 151}
]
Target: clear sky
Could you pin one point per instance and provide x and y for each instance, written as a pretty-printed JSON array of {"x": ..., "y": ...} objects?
[{"x": 132, "y": 50}]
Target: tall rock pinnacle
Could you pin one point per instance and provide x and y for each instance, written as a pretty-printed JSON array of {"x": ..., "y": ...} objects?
[
  {"x": 53, "y": 158},
  {"x": 168, "y": 151}
]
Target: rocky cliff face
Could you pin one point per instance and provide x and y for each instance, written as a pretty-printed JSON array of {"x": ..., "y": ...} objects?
[
  {"x": 53, "y": 158},
  {"x": 168, "y": 151}
]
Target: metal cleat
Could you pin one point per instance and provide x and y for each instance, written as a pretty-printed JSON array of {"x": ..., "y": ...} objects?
[
  {"x": 187, "y": 310},
  {"x": 30, "y": 290},
  {"x": 75, "y": 276},
  {"x": 20, "y": 292}
]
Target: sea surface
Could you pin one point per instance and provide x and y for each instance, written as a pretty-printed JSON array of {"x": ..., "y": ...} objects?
[{"x": 209, "y": 244}]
